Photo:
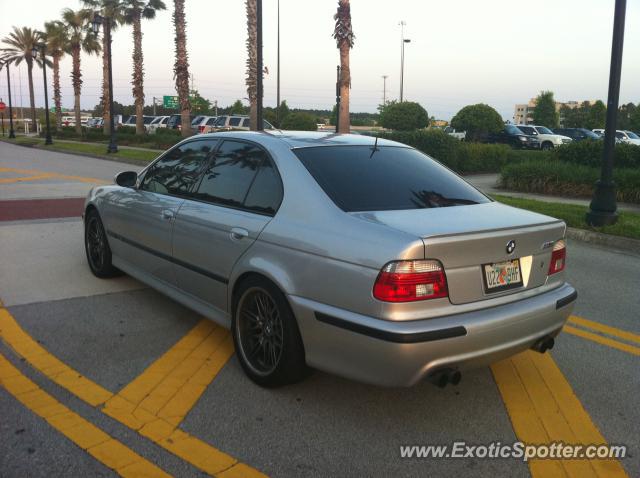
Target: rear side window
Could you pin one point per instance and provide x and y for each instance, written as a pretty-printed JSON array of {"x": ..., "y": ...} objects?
[
  {"x": 245, "y": 123},
  {"x": 265, "y": 194},
  {"x": 234, "y": 121},
  {"x": 178, "y": 170},
  {"x": 393, "y": 178},
  {"x": 230, "y": 173}
]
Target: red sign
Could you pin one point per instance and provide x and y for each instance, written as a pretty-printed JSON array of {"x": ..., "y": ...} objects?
[{"x": 2, "y": 106}]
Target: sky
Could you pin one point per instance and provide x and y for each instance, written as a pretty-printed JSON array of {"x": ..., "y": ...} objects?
[{"x": 498, "y": 52}]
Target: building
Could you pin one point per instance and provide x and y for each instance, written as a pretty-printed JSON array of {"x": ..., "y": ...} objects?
[{"x": 523, "y": 113}]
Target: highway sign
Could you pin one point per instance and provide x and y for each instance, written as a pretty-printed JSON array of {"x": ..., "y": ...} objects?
[{"x": 170, "y": 102}]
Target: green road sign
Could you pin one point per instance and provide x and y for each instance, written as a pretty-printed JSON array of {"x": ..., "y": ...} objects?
[{"x": 170, "y": 102}]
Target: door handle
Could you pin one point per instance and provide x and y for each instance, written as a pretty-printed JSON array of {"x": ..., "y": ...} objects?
[
  {"x": 168, "y": 214},
  {"x": 237, "y": 233}
]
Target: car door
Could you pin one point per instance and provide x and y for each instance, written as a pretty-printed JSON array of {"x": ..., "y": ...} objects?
[
  {"x": 141, "y": 219},
  {"x": 239, "y": 193}
]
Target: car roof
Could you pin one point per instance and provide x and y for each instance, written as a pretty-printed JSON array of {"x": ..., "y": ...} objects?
[{"x": 305, "y": 139}]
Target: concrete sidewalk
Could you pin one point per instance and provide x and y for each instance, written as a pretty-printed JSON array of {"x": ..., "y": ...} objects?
[{"x": 487, "y": 183}]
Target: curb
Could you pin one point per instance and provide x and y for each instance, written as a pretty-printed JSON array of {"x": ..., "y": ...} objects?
[
  {"x": 136, "y": 162},
  {"x": 615, "y": 242}
]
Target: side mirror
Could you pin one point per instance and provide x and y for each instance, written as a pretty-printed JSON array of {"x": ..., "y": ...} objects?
[{"x": 126, "y": 179}]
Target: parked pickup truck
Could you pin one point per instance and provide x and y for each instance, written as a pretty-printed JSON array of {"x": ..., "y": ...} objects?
[{"x": 461, "y": 135}]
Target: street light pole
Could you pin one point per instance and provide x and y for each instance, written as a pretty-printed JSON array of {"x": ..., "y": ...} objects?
[
  {"x": 403, "y": 40},
  {"x": 384, "y": 89},
  {"x": 113, "y": 147},
  {"x": 278, "y": 73},
  {"x": 337, "y": 98},
  {"x": 602, "y": 210}
]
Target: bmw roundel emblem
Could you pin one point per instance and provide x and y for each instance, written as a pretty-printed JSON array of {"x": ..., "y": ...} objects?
[{"x": 511, "y": 246}]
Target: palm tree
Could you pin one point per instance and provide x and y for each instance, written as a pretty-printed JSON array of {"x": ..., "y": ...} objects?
[
  {"x": 57, "y": 41},
  {"x": 112, "y": 12},
  {"x": 81, "y": 38},
  {"x": 135, "y": 11},
  {"x": 252, "y": 62},
  {"x": 181, "y": 66},
  {"x": 21, "y": 41},
  {"x": 343, "y": 33}
]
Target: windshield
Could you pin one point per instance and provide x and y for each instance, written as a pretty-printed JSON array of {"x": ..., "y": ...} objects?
[
  {"x": 392, "y": 178},
  {"x": 512, "y": 129},
  {"x": 632, "y": 135},
  {"x": 543, "y": 130}
]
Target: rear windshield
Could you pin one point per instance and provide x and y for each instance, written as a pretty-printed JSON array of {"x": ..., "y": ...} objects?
[{"x": 393, "y": 178}]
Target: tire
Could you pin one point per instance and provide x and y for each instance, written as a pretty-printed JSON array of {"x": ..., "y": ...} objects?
[
  {"x": 97, "y": 248},
  {"x": 546, "y": 146},
  {"x": 266, "y": 335}
]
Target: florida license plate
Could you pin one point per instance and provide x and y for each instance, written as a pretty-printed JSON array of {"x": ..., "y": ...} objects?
[{"x": 502, "y": 275}]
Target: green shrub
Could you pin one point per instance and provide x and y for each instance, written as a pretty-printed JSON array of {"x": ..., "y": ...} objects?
[
  {"x": 589, "y": 153},
  {"x": 478, "y": 121},
  {"x": 567, "y": 179},
  {"x": 126, "y": 130},
  {"x": 299, "y": 121},
  {"x": 403, "y": 116}
]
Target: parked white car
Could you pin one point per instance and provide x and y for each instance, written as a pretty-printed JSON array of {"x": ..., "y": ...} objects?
[
  {"x": 548, "y": 139},
  {"x": 158, "y": 122},
  {"x": 622, "y": 136},
  {"x": 461, "y": 135}
]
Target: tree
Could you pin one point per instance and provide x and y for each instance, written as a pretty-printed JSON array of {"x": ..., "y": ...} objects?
[
  {"x": 343, "y": 34},
  {"x": 57, "y": 41},
  {"x": 181, "y": 66},
  {"x": 597, "y": 116},
  {"x": 478, "y": 121},
  {"x": 199, "y": 104},
  {"x": 20, "y": 42},
  {"x": 134, "y": 12},
  {"x": 403, "y": 116},
  {"x": 252, "y": 62},
  {"x": 544, "y": 113},
  {"x": 300, "y": 121},
  {"x": 112, "y": 12},
  {"x": 625, "y": 113},
  {"x": 634, "y": 120},
  {"x": 238, "y": 108},
  {"x": 81, "y": 38}
]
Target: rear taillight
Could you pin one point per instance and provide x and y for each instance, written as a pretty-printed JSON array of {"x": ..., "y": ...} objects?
[
  {"x": 408, "y": 281},
  {"x": 201, "y": 129},
  {"x": 558, "y": 257}
]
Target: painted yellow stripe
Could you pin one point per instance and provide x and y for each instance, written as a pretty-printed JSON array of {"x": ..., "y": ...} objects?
[
  {"x": 162, "y": 432},
  {"x": 26, "y": 178},
  {"x": 34, "y": 173},
  {"x": 87, "y": 436},
  {"x": 630, "y": 349},
  {"x": 543, "y": 408},
  {"x": 605, "y": 329},
  {"x": 49, "y": 365}
]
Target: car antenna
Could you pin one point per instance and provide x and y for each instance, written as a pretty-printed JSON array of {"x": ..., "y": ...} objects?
[{"x": 375, "y": 148}]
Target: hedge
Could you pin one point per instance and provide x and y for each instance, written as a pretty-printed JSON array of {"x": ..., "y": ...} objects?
[
  {"x": 463, "y": 157},
  {"x": 162, "y": 139},
  {"x": 560, "y": 178},
  {"x": 589, "y": 153}
]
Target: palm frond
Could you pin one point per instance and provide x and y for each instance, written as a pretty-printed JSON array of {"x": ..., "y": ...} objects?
[{"x": 343, "y": 31}]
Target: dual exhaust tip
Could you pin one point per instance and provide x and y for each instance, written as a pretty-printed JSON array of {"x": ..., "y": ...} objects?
[{"x": 446, "y": 376}]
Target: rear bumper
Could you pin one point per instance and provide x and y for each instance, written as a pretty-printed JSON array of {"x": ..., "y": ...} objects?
[{"x": 389, "y": 353}]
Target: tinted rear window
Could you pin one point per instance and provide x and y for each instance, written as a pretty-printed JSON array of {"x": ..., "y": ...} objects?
[{"x": 393, "y": 178}]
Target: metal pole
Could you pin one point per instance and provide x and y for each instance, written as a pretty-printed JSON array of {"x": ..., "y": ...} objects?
[
  {"x": 402, "y": 24},
  {"x": 12, "y": 134},
  {"x": 384, "y": 89},
  {"x": 47, "y": 140},
  {"x": 2, "y": 124},
  {"x": 154, "y": 106},
  {"x": 113, "y": 147},
  {"x": 337, "y": 98},
  {"x": 278, "y": 73},
  {"x": 259, "y": 126},
  {"x": 602, "y": 210}
]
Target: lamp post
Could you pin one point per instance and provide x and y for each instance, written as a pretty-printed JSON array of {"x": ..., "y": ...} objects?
[
  {"x": 41, "y": 48},
  {"x": 259, "y": 126},
  {"x": 602, "y": 210},
  {"x": 95, "y": 25},
  {"x": 403, "y": 40},
  {"x": 278, "y": 73},
  {"x": 384, "y": 89},
  {"x": 12, "y": 133}
]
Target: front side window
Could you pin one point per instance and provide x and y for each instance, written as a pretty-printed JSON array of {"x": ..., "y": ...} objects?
[
  {"x": 179, "y": 169},
  {"x": 235, "y": 121},
  {"x": 632, "y": 135},
  {"x": 543, "y": 130},
  {"x": 527, "y": 130},
  {"x": 392, "y": 178},
  {"x": 512, "y": 130},
  {"x": 245, "y": 123},
  {"x": 230, "y": 173},
  {"x": 265, "y": 194}
]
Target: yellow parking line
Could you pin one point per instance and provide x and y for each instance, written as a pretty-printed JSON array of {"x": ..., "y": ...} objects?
[
  {"x": 630, "y": 349},
  {"x": 543, "y": 408},
  {"x": 26, "y": 178},
  {"x": 34, "y": 173},
  {"x": 87, "y": 436},
  {"x": 159, "y": 430},
  {"x": 606, "y": 329}
]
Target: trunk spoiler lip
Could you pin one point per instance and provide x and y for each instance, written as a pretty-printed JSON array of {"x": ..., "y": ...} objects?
[{"x": 555, "y": 222}]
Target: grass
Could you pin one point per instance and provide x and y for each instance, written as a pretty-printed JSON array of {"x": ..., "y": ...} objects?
[
  {"x": 628, "y": 224},
  {"x": 96, "y": 149}
]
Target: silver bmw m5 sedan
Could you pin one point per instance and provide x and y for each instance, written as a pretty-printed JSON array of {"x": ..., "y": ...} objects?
[{"x": 358, "y": 256}]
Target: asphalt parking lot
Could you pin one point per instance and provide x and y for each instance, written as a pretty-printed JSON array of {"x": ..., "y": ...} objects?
[{"x": 108, "y": 377}]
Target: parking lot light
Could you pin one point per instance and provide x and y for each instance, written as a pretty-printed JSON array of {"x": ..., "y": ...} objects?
[
  {"x": 95, "y": 26},
  {"x": 41, "y": 48}
]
